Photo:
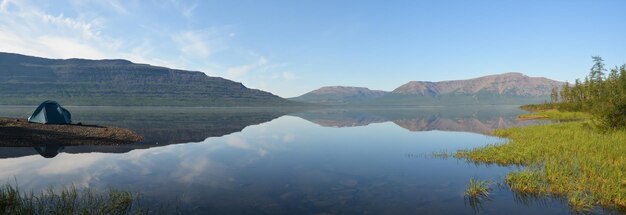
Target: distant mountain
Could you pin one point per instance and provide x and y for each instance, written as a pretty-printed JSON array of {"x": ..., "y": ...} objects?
[
  {"x": 27, "y": 80},
  {"x": 513, "y": 83},
  {"x": 339, "y": 95},
  {"x": 507, "y": 88}
]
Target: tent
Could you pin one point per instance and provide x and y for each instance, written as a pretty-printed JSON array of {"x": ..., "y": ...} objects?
[{"x": 50, "y": 112}]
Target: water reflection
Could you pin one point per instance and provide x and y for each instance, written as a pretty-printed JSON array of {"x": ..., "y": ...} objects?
[
  {"x": 476, "y": 119},
  {"x": 285, "y": 165},
  {"x": 49, "y": 151},
  {"x": 160, "y": 126}
]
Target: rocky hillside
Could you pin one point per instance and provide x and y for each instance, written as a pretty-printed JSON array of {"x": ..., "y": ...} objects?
[
  {"x": 507, "y": 88},
  {"x": 516, "y": 84},
  {"x": 27, "y": 80},
  {"x": 338, "y": 95}
]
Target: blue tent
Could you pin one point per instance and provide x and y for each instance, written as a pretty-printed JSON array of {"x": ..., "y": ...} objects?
[{"x": 50, "y": 112}]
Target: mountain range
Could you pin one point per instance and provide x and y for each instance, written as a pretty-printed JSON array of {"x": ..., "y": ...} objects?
[
  {"x": 27, "y": 80},
  {"x": 507, "y": 88}
]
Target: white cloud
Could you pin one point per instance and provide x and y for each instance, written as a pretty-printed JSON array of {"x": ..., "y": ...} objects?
[
  {"x": 289, "y": 138},
  {"x": 117, "y": 6},
  {"x": 238, "y": 142},
  {"x": 262, "y": 61},
  {"x": 4, "y": 4},
  {"x": 27, "y": 30},
  {"x": 289, "y": 76},
  {"x": 85, "y": 28},
  {"x": 240, "y": 71},
  {"x": 188, "y": 11},
  {"x": 192, "y": 43},
  {"x": 285, "y": 75},
  {"x": 68, "y": 48},
  {"x": 84, "y": 31}
]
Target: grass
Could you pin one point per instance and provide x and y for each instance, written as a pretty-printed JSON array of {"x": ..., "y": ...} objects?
[
  {"x": 67, "y": 201},
  {"x": 478, "y": 188},
  {"x": 477, "y": 192},
  {"x": 539, "y": 107},
  {"x": 555, "y": 115},
  {"x": 570, "y": 159},
  {"x": 443, "y": 154}
]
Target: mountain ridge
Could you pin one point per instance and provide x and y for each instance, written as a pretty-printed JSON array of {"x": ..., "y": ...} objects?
[
  {"x": 28, "y": 80},
  {"x": 505, "y": 88},
  {"x": 332, "y": 95},
  {"x": 533, "y": 86}
]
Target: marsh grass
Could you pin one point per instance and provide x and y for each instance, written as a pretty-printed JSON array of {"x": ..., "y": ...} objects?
[
  {"x": 477, "y": 192},
  {"x": 571, "y": 160},
  {"x": 478, "y": 188},
  {"x": 441, "y": 154},
  {"x": 554, "y": 115},
  {"x": 68, "y": 200}
]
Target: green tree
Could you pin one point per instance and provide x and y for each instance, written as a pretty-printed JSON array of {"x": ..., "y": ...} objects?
[
  {"x": 597, "y": 70},
  {"x": 554, "y": 95}
]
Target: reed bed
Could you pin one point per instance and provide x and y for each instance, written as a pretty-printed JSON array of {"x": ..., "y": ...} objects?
[
  {"x": 571, "y": 160},
  {"x": 477, "y": 192},
  {"x": 555, "y": 115},
  {"x": 68, "y": 200}
]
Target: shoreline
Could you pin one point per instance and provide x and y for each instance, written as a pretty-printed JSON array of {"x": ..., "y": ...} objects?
[
  {"x": 16, "y": 132},
  {"x": 570, "y": 159}
]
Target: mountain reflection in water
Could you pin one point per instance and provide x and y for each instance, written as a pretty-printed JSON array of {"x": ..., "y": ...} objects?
[
  {"x": 476, "y": 119},
  {"x": 162, "y": 126},
  {"x": 264, "y": 161},
  {"x": 159, "y": 126}
]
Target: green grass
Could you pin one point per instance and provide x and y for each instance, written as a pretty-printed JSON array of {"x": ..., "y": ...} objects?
[
  {"x": 67, "y": 201},
  {"x": 572, "y": 160},
  {"x": 555, "y": 115},
  {"x": 539, "y": 107},
  {"x": 478, "y": 188},
  {"x": 477, "y": 192}
]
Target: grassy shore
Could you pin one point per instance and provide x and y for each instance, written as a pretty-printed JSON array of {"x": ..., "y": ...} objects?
[
  {"x": 570, "y": 159},
  {"x": 554, "y": 115},
  {"x": 67, "y": 201}
]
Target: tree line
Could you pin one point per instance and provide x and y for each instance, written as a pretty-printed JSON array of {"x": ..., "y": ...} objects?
[{"x": 601, "y": 94}]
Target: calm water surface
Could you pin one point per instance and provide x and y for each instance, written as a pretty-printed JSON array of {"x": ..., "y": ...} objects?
[{"x": 264, "y": 161}]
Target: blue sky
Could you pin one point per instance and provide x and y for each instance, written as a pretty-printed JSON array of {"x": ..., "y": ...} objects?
[{"x": 290, "y": 47}]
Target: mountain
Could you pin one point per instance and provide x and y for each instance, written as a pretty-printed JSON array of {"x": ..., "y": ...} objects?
[
  {"x": 507, "y": 88},
  {"x": 27, "y": 80},
  {"x": 503, "y": 84},
  {"x": 339, "y": 95}
]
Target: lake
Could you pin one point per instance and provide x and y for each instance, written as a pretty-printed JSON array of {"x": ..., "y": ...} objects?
[{"x": 285, "y": 161}]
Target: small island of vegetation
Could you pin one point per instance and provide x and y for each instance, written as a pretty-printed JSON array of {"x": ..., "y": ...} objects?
[{"x": 581, "y": 160}]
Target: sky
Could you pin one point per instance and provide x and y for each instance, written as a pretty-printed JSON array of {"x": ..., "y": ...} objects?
[{"x": 290, "y": 47}]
